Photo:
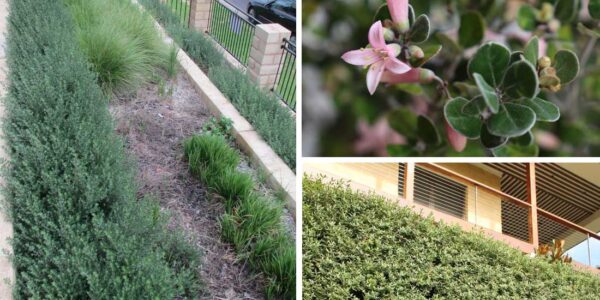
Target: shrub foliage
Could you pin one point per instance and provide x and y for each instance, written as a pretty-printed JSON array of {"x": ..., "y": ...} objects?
[
  {"x": 251, "y": 223},
  {"x": 359, "y": 246},
  {"x": 263, "y": 110},
  {"x": 80, "y": 232}
]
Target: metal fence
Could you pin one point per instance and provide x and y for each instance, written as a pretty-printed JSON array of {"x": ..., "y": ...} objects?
[
  {"x": 181, "y": 8},
  {"x": 285, "y": 82},
  {"x": 232, "y": 28}
]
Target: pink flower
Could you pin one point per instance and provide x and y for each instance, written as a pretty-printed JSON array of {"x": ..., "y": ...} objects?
[
  {"x": 416, "y": 75},
  {"x": 456, "y": 140},
  {"x": 374, "y": 139},
  {"x": 399, "y": 12},
  {"x": 379, "y": 57}
]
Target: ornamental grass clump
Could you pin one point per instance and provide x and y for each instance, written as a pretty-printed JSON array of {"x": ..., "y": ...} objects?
[
  {"x": 358, "y": 245},
  {"x": 120, "y": 41},
  {"x": 80, "y": 232},
  {"x": 251, "y": 222}
]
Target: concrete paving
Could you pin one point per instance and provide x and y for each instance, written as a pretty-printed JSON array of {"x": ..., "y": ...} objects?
[{"x": 6, "y": 231}]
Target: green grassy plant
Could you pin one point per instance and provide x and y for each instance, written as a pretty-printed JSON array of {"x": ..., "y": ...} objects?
[
  {"x": 260, "y": 107},
  {"x": 360, "y": 246},
  {"x": 251, "y": 223},
  {"x": 79, "y": 230},
  {"x": 121, "y": 42}
]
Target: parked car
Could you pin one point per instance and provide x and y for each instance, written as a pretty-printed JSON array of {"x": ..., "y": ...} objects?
[{"x": 275, "y": 11}]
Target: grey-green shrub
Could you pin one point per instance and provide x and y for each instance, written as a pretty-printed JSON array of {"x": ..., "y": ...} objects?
[
  {"x": 359, "y": 246},
  {"x": 251, "y": 223},
  {"x": 79, "y": 231},
  {"x": 264, "y": 111},
  {"x": 120, "y": 41}
]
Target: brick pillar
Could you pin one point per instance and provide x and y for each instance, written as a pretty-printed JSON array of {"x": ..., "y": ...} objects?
[
  {"x": 199, "y": 14},
  {"x": 266, "y": 53}
]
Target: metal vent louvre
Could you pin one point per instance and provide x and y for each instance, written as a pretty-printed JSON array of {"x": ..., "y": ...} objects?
[{"x": 440, "y": 193}]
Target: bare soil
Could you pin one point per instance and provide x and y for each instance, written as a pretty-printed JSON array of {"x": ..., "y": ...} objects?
[{"x": 154, "y": 124}]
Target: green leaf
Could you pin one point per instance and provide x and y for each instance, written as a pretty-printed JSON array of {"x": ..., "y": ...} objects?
[
  {"x": 427, "y": 132},
  {"x": 404, "y": 121},
  {"x": 512, "y": 120},
  {"x": 526, "y": 17},
  {"x": 516, "y": 56},
  {"x": 491, "y": 141},
  {"x": 429, "y": 51},
  {"x": 512, "y": 150},
  {"x": 472, "y": 29},
  {"x": 465, "y": 124},
  {"x": 521, "y": 80},
  {"x": 523, "y": 140},
  {"x": 488, "y": 93},
  {"x": 419, "y": 32},
  {"x": 491, "y": 61},
  {"x": 448, "y": 44},
  {"x": 566, "y": 64},
  {"x": 475, "y": 107},
  {"x": 531, "y": 51},
  {"x": 545, "y": 111},
  {"x": 565, "y": 10},
  {"x": 411, "y": 15},
  {"x": 594, "y": 9},
  {"x": 401, "y": 150},
  {"x": 466, "y": 89}
]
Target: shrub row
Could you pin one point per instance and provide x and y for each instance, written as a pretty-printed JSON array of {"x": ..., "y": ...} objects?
[
  {"x": 359, "y": 246},
  {"x": 79, "y": 231},
  {"x": 262, "y": 109},
  {"x": 252, "y": 223}
]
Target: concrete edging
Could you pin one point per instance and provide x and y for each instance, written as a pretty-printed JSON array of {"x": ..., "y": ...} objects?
[{"x": 280, "y": 175}]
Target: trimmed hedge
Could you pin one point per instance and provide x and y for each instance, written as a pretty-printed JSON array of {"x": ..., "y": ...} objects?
[
  {"x": 261, "y": 108},
  {"x": 251, "y": 223},
  {"x": 79, "y": 231},
  {"x": 359, "y": 246}
]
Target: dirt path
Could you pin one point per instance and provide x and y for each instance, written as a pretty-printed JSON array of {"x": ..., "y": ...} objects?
[{"x": 154, "y": 127}]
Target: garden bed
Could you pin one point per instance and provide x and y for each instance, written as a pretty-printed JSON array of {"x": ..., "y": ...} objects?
[{"x": 153, "y": 127}]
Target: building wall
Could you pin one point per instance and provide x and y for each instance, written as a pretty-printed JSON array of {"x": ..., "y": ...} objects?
[
  {"x": 382, "y": 178},
  {"x": 484, "y": 208}
]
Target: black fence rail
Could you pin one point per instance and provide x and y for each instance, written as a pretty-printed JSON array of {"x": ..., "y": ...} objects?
[
  {"x": 285, "y": 82},
  {"x": 232, "y": 28},
  {"x": 181, "y": 8}
]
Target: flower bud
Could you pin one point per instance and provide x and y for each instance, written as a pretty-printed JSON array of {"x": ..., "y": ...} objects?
[
  {"x": 555, "y": 88},
  {"x": 544, "y": 62},
  {"x": 416, "y": 52},
  {"x": 426, "y": 75},
  {"x": 548, "y": 71},
  {"x": 395, "y": 48},
  {"x": 554, "y": 25},
  {"x": 548, "y": 81},
  {"x": 388, "y": 35},
  {"x": 546, "y": 13}
]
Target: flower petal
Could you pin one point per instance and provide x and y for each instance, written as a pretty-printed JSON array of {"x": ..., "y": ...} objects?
[
  {"x": 376, "y": 36},
  {"x": 374, "y": 76},
  {"x": 362, "y": 57},
  {"x": 412, "y": 76},
  {"x": 396, "y": 66}
]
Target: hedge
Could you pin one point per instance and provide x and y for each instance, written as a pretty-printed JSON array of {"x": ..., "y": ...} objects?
[
  {"x": 359, "y": 246},
  {"x": 79, "y": 231},
  {"x": 251, "y": 223},
  {"x": 261, "y": 108}
]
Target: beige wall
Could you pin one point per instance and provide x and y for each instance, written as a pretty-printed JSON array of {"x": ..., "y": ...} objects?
[{"x": 382, "y": 178}]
